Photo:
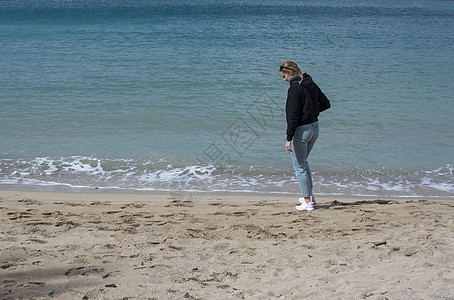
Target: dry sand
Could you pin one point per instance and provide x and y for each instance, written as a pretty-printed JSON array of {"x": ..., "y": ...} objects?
[{"x": 223, "y": 246}]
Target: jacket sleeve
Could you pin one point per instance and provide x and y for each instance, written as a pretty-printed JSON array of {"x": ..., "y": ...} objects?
[{"x": 292, "y": 109}]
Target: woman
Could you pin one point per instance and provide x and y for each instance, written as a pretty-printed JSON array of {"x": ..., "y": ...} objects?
[{"x": 305, "y": 101}]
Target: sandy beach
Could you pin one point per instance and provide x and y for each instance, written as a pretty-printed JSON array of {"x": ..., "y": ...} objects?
[{"x": 223, "y": 246}]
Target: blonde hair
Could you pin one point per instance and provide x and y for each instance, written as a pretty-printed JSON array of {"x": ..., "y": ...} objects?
[{"x": 290, "y": 67}]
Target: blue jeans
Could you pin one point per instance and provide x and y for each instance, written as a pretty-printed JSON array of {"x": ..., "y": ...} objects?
[{"x": 303, "y": 142}]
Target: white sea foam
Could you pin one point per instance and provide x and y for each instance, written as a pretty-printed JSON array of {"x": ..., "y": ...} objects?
[{"x": 89, "y": 172}]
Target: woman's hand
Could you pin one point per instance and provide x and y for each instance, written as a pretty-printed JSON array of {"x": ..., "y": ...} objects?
[{"x": 288, "y": 146}]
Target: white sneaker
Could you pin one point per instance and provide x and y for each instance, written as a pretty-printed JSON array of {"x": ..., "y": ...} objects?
[
  {"x": 301, "y": 200},
  {"x": 310, "y": 206},
  {"x": 305, "y": 206},
  {"x": 301, "y": 207}
]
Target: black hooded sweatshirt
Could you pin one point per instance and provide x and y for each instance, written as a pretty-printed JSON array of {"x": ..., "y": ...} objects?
[{"x": 305, "y": 101}]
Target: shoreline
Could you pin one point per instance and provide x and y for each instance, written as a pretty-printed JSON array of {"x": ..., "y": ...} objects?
[
  {"x": 199, "y": 193},
  {"x": 164, "y": 246}
]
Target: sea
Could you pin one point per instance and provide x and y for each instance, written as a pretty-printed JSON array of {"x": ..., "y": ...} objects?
[{"x": 185, "y": 96}]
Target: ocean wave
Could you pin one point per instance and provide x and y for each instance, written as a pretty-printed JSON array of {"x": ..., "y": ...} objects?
[{"x": 78, "y": 172}]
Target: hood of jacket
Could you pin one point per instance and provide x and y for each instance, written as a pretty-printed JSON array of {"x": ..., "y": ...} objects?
[
  {"x": 308, "y": 82},
  {"x": 295, "y": 80}
]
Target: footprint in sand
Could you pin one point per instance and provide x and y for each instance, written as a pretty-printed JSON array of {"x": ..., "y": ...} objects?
[
  {"x": 133, "y": 205},
  {"x": 74, "y": 204},
  {"x": 100, "y": 203},
  {"x": 7, "y": 266},
  {"x": 32, "y": 284},
  {"x": 181, "y": 203},
  {"x": 67, "y": 224},
  {"x": 111, "y": 274},
  {"x": 84, "y": 271},
  {"x": 30, "y": 202},
  {"x": 221, "y": 205},
  {"x": 14, "y": 215},
  {"x": 268, "y": 203},
  {"x": 48, "y": 214}
]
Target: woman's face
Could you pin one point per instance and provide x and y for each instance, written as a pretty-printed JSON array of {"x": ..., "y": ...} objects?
[{"x": 287, "y": 76}]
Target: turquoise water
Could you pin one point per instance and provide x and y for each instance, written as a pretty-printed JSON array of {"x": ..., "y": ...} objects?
[{"x": 146, "y": 95}]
